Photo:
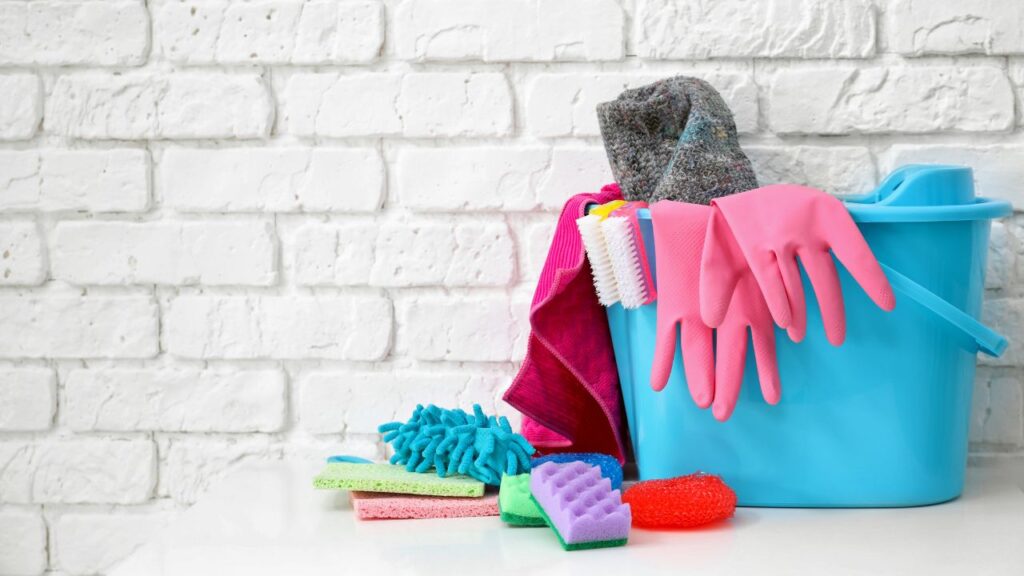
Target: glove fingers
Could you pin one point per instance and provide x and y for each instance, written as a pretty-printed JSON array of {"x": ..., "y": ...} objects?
[
  {"x": 825, "y": 280},
  {"x": 699, "y": 362},
  {"x": 794, "y": 284},
  {"x": 720, "y": 269},
  {"x": 768, "y": 273},
  {"x": 853, "y": 251},
  {"x": 664, "y": 354},
  {"x": 730, "y": 358},
  {"x": 767, "y": 364}
]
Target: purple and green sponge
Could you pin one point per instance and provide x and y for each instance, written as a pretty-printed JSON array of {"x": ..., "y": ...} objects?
[{"x": 579, "y": 504}]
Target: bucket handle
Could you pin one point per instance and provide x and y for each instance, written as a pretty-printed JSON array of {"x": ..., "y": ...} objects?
[{"x": 973, "y": 334}]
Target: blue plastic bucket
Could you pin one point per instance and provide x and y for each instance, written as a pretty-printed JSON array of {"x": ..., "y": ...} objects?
[{"x": 881, "y": 420}]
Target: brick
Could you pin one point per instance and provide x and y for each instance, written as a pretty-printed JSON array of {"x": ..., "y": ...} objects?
[
  {"x": 919, "y": 27},
  {"x": 326, "y": 254},
  {"x": 512, "y": 30},
  {"x": 177, "y": 253},
  {"x": 67, "y": 33},
  {"x": 1002, "y": 257},
  {"x": 28, "y": 399},
  {"x": 273, "y": 179},
  {"x": 145, "y": 105},
  {"x": 340, "y": 328},
  {"x": 998, "y": 409},
  {"x": 175, "y": 400},
  {"x": 466, "y": 178},
  {"x": 674, "y": 29},
  {"x": 336, "y": 402},
  {"x": 462, "y": 328},
  {"x": 90, "y": 180},
  {"x": 414, "y": 104},
  {"x": 565, "y": 104},
  {"x": 21, "y": 106},
  {"x": 1016, "y": 69},
  {"x": 538, "y": 243},
  {"x": 81, "y": 471},
  {"x": 270, "y": 32},
  {"x": 1005, "y": 316},
  {"x": 996, "y": 167},
  {"x": 66, "y": 326},
  {"x": 22, "y": 258},
  {"x": 23, "y": 533},
  {"x": 843, "y": 99},
  {"x": 838, "y": 170},
  {"x": 191, "y": 465},
  {"x": 93, "y": 542}
]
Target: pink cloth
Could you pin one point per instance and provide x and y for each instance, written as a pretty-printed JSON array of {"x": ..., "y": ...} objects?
[{"x": 568, "y": 386}]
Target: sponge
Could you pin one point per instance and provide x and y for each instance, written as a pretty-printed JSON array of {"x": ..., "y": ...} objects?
[
  {"x": 610, "y": 467},
  {"x": 391, "y": 478},
  {"x": 682, "y": 502},
  {"x": 382, "y": 506},
  {"x": 580, "y": 505},
  {"x": 515, "y": 504}
]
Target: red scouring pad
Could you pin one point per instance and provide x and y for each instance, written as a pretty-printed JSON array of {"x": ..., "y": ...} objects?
[{"x": 682, "y": 502}]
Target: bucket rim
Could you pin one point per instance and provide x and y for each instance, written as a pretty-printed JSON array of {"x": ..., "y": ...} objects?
[{"x": 981, "y": 209}]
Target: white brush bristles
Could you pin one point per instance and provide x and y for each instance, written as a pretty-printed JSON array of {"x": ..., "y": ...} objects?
[
  {"x": 600, "y": 262},
  {"x": 625, "y": 261}
]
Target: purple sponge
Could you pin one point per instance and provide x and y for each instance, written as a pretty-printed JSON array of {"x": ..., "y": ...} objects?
[{"x": 580, "y": 505}]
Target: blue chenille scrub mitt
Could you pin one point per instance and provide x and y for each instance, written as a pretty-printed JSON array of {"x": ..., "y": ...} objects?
[{"x": 456, "y": 442}]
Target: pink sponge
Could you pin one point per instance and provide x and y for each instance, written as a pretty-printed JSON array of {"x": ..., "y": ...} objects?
[{"x": 383, "y": 506}]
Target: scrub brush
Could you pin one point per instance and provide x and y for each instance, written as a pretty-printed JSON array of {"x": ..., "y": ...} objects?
[
  {"x": 597, "y": 251},
  {"x": 625, "y": 261},
  {"x": 580, "y": 505}
]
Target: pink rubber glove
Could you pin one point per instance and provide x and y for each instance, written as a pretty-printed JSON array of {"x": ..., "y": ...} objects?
[
  {"x": 679, "y": 236},
  {"x": 773, "y": 226}
]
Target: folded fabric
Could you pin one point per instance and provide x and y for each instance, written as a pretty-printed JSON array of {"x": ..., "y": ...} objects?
[
  {"x": 568, "y": 386},
  {"x": 674, "y": 139}
]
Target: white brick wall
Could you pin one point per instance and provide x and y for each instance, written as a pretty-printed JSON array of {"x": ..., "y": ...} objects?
[{"x": 238, "y": 230}]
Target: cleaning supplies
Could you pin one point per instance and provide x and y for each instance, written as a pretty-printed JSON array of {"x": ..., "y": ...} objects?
[
  {"x": 454, "y": 441},
  {"x": 609, "y": 466},
  {"x": 773, "y": 226},
  {"x": 516, "y": 506},
  {"x": 394, "y": 479},
  {"x": 580, "y": 505},
  {"x": 681, "y": 502},
  {"x": 674, "y": 139},
  {"x": 567, "y": 387},
  {"x": 627, "y": 259},
  {"x": 383, "y": 506},
  {"x": 592, "y": 235}
]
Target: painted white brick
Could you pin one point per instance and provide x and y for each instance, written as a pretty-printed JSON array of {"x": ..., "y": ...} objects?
[
  {"x": 919, "y": 98},
  {"x": 538, "y": 242},
  {"x": 270, "y": 32},
  {"x": 341, "y": 328},
  {"x": 496, "y": 178},
  {"x": 1002, "y": 257},
  {"x": 21, "y": 106},
  {"x": 837, "y": 169},
  {"x": 326, "y": 254},
  {"x": 206, "y": 252},
  {"x": 996, "y": 167},
  {"x": 511, "y": 30},
  {"x": 28, "y": 398},
  {"x": 92, "y": 542},
  {"x": 335, "y": 402},
  {"x": 70, "y": 32},
  {"x": 566, "y": 104},
  {"x": 843, "y": 99},
  {"x": 273, "y": 180},
  {"x": 144, "y": 105},
  {"x": 67, "y": 326},
  {"x": 175, "y": 400},
  {"x": 764, "y": 28},
  {"x": 78, "y": 471},
  {"x": 1005, "y": 316},
  {"x": 998, "y": 409},
  {"x": 918, "y": 27},
  {"x": 458, "y": 328},
  {"x": 190, "y": 465},
  {"x": 23, "y": 533},
  {"x": 91, "y": 180},
  {"x": 416, "y": 104},
  {"x": 22, "y": 258}
]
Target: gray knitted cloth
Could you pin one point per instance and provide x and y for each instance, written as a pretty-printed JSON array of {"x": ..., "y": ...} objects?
[{"x": 676, "y": 140}]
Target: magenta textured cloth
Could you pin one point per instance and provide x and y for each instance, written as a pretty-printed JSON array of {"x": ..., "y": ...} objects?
[{"x": 568, "y": 387}]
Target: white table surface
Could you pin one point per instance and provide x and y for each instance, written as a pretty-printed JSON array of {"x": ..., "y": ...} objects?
[{"x": 268, "y": 520}]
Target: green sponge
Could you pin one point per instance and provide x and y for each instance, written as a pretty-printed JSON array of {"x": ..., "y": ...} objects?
[
  {"x": 516, "y": 506},
  {"x": 394, "y": 479}
]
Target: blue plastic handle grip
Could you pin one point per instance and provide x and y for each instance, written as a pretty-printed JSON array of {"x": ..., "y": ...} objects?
[{"x": 974, "y": 335}]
